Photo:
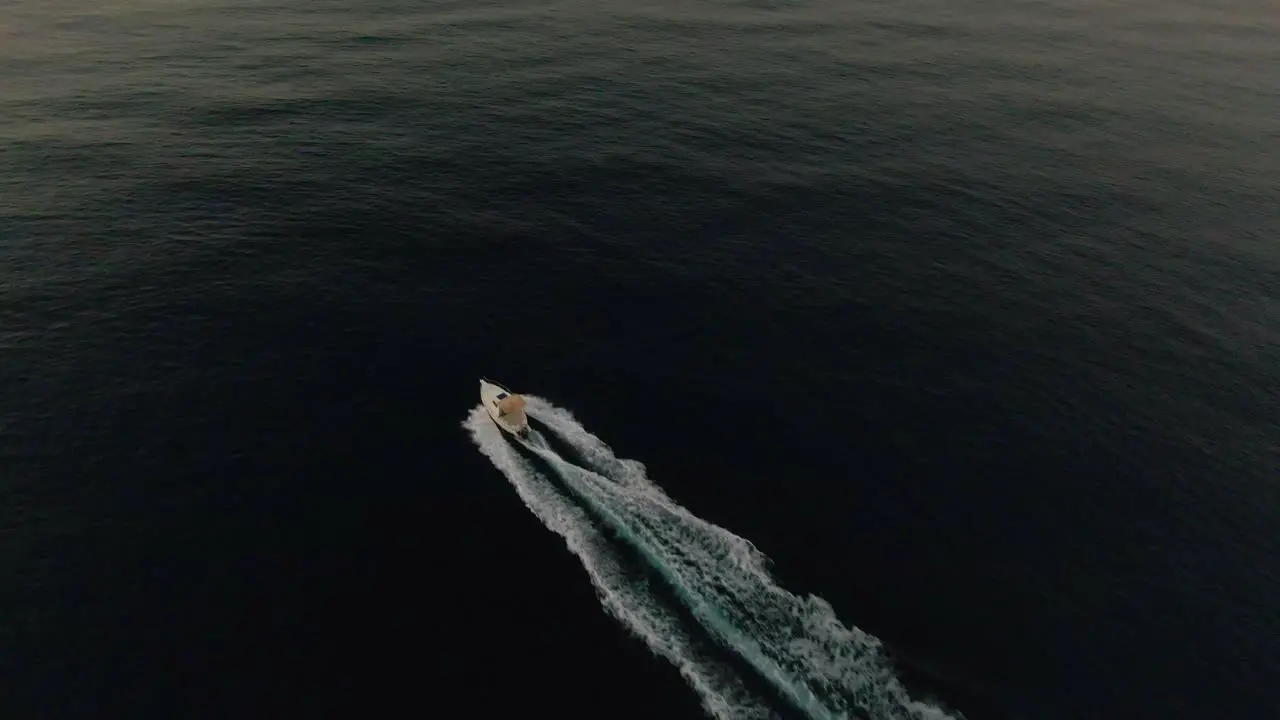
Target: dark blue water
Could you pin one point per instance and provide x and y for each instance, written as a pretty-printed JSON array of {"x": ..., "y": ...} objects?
[{"x": 964, "y": 313}]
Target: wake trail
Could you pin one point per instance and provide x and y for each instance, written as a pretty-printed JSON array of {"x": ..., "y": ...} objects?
[
  {"x": 624, "y": 593},
  {"x": 797, "y": 645}
]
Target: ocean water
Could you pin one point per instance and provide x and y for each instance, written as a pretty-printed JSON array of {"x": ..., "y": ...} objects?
[{"x": 888, "y": 360}]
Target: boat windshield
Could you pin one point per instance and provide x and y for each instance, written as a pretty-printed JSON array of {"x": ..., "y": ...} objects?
[{"x": 501, "y": 395}]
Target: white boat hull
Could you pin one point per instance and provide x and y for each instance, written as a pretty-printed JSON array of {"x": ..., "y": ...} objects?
[{"x": 490, "y": 394}]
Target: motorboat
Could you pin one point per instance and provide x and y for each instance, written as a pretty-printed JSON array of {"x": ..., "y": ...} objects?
[{"x": 505, "y": 407}]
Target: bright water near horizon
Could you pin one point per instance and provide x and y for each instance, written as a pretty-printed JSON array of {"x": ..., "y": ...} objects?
[{"x": 888, "y": 360}]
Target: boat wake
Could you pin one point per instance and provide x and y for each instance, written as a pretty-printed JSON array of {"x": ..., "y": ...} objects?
[{"x": 797, "y": 645}]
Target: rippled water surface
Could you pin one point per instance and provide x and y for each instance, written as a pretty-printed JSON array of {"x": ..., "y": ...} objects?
[{"x": 964, "y": 314}]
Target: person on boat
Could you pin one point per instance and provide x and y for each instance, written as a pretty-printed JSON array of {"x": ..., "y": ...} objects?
[{"x": 512, "y": 405}]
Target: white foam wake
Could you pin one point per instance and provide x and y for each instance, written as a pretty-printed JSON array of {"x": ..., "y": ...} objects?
[
  {"x": 797, "y": 644},
  {"x": 625, "y": 595}
]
